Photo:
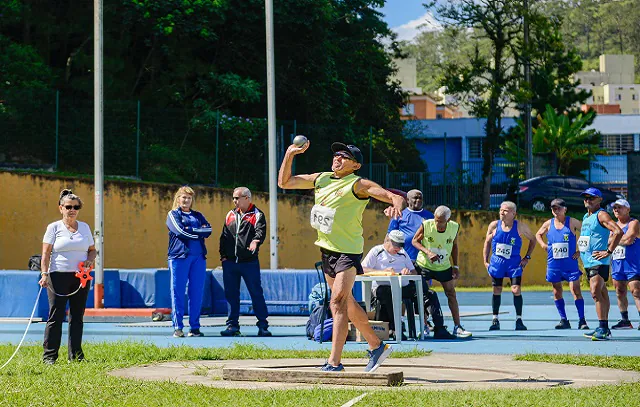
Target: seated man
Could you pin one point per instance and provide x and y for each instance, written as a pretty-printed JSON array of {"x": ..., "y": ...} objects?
[{"x": 390, "y": 256}]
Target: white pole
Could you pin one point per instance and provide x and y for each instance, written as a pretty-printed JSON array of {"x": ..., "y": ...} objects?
[
  {"x": 98, "y": 156},
  {"x": 271, "y": 123}
]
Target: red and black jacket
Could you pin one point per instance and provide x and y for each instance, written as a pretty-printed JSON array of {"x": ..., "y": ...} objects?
[{"x": 238, "y": 232}]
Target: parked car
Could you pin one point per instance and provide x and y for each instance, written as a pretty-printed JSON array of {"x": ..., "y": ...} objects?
[{"x": 536, "y": 193}]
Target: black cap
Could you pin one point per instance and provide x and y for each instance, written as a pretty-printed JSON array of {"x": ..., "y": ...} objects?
[
  {"x": 558, "y": 202},
  {"x": 352, "y": 151}
]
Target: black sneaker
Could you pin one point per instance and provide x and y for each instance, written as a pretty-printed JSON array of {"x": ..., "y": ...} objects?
[
  {"x": 178, "y": 333},
  {"x": 563, "y": 324},
  {"x": 195, "y": 332},
  {"x": 582, "y": 324},
  {"x": 231, "y": 331},
  {"x": 264, "y": 332},
  {"x": 495, "y": 325},
  {"x": 442, "y": 333},
  {"x": 623, "y": 324},
  {"x": 520, "y": 325}
]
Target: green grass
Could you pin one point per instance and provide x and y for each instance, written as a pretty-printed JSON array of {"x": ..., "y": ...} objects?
[
  {"x": 27, "y": 382},
  {"x": 631, "y": 363}
]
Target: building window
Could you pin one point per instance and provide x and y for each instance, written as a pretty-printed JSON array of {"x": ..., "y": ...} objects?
[
  {"x": 618, "y": 97},
  {"x": 439, "y": 116},
  {"x": 617, "y": 144},
  {"x": 475, "y": 147},
  {"x": 409, "y": 110},
  {"x": 634, "y": 97}
]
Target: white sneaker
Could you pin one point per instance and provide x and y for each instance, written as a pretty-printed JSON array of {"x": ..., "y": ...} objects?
[
  {"x": 426, "y": 331},
  {"x": 460, "y": 332}
]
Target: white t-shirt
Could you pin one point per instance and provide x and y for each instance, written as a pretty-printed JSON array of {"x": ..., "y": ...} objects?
[
  {"x": 69, "y": 249},
  {"x": 378, "y": 258}
]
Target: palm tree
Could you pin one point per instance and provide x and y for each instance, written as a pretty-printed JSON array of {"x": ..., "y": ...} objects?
[{"x": 568, "y": 140}]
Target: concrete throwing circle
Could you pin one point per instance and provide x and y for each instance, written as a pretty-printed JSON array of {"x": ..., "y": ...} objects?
[{"x": 434, "y": 372}]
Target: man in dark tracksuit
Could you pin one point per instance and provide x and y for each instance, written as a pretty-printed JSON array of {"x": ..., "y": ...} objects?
[{"x": 243, "y": 232}]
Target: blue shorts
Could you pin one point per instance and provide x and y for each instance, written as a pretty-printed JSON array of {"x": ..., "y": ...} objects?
[
  {"x": 556, "y": 276},
  {"x": 621, "y": 275},
  {"x": 502, "y": 272}
]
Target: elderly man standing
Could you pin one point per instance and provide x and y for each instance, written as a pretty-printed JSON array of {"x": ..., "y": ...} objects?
[
  {"x": 410, "y": 221},
  {"x": 242, "y": 235},
  {"x": 625, "y": 262},
  {"x": 437, "y": 242},
  {"x": 502, "y": 259}
]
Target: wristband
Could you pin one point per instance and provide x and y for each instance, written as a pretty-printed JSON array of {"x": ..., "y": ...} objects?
[
  {"x": 527, "y": 257},
  {"x": 609, "y": 251},
  {"x": 456, "y": 267}
]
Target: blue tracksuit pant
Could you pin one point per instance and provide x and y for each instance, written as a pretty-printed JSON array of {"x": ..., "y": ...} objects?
[
  {"x": 192, "y": 269},
  {"x": 250, "y": 272}
]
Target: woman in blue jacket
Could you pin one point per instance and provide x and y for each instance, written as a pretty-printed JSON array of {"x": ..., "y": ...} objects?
[{"x": 187, "y": 259}]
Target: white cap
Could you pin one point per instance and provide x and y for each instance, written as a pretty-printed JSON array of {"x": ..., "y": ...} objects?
[
  {"x": 622, "y": 202},
  {"x": 396, "y": 237}
]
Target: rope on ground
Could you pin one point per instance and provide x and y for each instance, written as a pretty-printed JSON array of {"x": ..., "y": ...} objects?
[
  {"x": 25, "y": 331},
  {"x": 354, "y": 401}
]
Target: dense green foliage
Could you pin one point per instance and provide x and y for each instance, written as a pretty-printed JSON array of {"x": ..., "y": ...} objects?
[{"x": 191, "y": 61}]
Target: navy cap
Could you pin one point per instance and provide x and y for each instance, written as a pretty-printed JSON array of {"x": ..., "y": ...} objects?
[
  {"x": 352, "y": 151},
  {"x": 592, "y": 192}
]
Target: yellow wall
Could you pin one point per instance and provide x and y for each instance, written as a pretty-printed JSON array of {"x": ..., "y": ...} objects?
[{"x": 135, "y": 234}]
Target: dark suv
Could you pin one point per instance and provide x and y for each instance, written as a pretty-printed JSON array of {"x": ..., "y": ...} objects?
[{"x": 536, "y": 193}]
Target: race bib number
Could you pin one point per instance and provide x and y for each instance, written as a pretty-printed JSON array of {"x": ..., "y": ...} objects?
[
  {"x": 504, "y": 250},
  {"x": 583, "y": 243},
  {"x": 322, "y": 218},
  {"x": 620, "y": 253},
  {"x": 441, "y": 253},
  {"x": 560, "y": 250}
]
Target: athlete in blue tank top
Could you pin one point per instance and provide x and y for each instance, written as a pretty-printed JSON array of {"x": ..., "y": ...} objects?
[
  {"x": 410, "y": 221},
  {"x": 625, "y": 262},
  {"x": 502, "y": 259},
  {"x": 562, "y": 260},
  {"x": 599, "y": 235}
]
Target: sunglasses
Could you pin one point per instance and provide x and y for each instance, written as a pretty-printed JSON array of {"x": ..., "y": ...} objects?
[
  {"x": 344, "y": 155},
  {"x": 236, "y": 198},
  {"x": 69, "y": 207},
  {"x": 589, "y": 198}
]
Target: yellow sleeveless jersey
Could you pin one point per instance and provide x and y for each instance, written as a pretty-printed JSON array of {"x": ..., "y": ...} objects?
[
  {"x": 440, "y": 243},
  {"x": 337, "y": 214}
]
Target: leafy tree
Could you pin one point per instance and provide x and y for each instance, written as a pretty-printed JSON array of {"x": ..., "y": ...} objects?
[
  {"x": 571, "y": 143},
  {"x": 486, "y": 84}
]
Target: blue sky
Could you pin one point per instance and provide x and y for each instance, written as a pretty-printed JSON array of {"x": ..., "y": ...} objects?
[{"x": 405, "y": 17}]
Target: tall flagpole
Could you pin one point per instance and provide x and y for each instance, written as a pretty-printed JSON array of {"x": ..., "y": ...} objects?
[
  {"x": 98, "y": 156},
  {"x": 271, "y": 123}
]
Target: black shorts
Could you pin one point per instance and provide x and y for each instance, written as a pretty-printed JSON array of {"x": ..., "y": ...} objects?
[
  {"x": 602, "y": 271},
  {"x": 497, "y": 282},
  {"x": 334, "y": 262},
  {"x": 441, "y": 276}
]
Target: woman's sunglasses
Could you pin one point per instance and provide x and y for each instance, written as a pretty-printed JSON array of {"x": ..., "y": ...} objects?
[{"x": 69, "y": 207}]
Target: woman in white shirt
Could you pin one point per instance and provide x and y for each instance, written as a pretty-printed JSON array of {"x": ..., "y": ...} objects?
[{"x": 66, "y": 243}]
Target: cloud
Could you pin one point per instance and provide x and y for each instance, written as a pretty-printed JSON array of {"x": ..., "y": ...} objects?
[{"x": 408, "y": 31}]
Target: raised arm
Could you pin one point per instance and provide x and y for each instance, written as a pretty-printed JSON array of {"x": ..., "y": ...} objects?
[
  {"x": 288, "y": 181},
  {"x": 541, "y": 232},
  {"x": 365, "y": 188}
]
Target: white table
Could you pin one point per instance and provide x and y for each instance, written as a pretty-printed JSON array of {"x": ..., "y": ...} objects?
[{"x": 396, "y": 297}]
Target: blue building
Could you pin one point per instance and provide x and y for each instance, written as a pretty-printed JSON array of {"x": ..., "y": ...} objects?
[{"x": 455, "y": 145}]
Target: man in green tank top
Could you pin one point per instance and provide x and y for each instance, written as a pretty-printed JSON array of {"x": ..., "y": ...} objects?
[
  {"x": 437, "y": 244},
  {"x": 340, "y": 200}
]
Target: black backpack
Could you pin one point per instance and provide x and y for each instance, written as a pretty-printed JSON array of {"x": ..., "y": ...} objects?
[{"x": 34, "y": 262}]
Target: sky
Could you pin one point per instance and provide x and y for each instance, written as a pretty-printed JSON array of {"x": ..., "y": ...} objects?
[{"x": 405, "y": 17}]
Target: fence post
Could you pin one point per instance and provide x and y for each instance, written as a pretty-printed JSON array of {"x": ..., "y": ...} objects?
[
  {"x": 295, "y": 133},
  {"x": 138, "y": 143},
  {"x": 57, "y": 126},
  {"x": 589, "y": 164},
  {"x": 217, "y": 139}
]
